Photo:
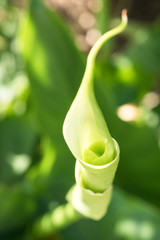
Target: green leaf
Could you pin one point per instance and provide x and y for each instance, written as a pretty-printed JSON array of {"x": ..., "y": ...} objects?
[
  {"x": 144, "y": 52},
  {"x": 55, "y": 68},
  {"x": 13, "y": 199},
  {"x": 17, "y": 139}
]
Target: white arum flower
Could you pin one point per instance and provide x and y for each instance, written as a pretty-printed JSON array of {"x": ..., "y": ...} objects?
[{"x": 86, "y": 134}]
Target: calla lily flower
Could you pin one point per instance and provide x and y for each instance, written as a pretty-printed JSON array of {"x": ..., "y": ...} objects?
[{"x": 87, "y": 136}]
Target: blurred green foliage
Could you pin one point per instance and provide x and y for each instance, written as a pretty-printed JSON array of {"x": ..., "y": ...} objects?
[{"x": 40, "y": 72}]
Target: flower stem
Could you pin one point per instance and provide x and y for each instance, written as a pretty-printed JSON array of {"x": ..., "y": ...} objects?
[
  {"x": 54, "y": 221},
  {"x": 88, "y": 75}
]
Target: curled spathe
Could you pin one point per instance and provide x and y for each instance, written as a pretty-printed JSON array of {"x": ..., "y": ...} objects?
[{"x": 87, "y": 136}]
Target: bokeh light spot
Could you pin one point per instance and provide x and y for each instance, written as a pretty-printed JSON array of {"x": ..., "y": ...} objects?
[
  {"x": 86, "y": 20},
  {"x": 19, "y": 163},
  {"x": 128, "y": 112},
  {"x": 151, "y": 100},
  {"x": 92, "y": 36}
]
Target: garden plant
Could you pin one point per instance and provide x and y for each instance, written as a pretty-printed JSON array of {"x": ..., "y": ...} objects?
[{"x": 79, "y": 122}]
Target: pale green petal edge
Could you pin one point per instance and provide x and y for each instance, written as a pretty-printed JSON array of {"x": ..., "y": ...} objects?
[
  {"x": 90, "y": 203},
  {"x": 97, "y": 178}
]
